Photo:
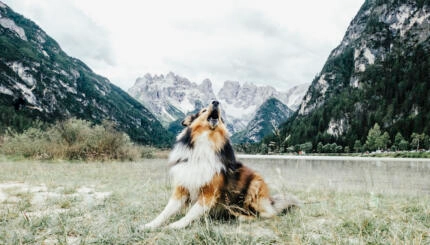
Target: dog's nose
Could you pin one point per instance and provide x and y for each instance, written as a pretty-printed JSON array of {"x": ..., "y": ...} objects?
[{"x": 215, "y": 103}]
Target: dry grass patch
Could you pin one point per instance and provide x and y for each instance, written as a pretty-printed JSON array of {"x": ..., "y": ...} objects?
[
  {"x": 104, "y": 203},
  {"x": 73, "y": 139}
]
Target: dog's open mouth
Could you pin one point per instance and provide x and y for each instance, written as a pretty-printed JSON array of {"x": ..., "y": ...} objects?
[{"x": 213, "y": 118}]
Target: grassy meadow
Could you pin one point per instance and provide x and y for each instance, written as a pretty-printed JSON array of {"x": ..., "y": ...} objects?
[{"x": 104, "y": 203}]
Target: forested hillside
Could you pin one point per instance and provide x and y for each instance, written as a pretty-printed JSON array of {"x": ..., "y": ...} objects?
[{"x": 380, "y": 73}]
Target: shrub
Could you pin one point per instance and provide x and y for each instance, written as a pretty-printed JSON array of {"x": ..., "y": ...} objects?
[
  {"x": 31, "y": 143},
  {"x": 73, "y": 139}
]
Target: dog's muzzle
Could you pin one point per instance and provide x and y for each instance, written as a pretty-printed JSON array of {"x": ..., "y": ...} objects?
[{"x": 213, "y": 118}]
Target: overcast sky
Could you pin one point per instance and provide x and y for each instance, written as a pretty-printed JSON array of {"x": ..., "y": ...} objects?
[{"x": 280, "y": 43}]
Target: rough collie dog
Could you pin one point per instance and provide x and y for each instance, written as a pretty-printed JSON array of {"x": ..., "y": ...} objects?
[{"x": 206, "y": 175}]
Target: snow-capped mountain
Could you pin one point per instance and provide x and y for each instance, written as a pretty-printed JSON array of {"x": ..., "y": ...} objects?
[{"x": 170, "y": 97}]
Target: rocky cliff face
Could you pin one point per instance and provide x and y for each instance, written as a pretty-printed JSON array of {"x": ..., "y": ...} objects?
[
  {"x": 380, "y": 73},
  {"x": 379, "y": 28},
  {"x": 241, "y": 102},
  {"x": 39, "y": 81},
  {"x": 269, "y": 116},
  {"x": 295, "y": 96},
  {"x": 170, "y": 97}
]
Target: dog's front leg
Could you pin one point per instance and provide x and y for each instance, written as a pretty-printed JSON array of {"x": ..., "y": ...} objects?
[
  {"x": 176, "y": 202},
  {"x": 196, "y": 211},
  {"x": 207, "y": 199}
]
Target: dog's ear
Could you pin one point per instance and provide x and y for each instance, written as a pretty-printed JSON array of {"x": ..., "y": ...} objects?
[{"x": 188, "y": 120}]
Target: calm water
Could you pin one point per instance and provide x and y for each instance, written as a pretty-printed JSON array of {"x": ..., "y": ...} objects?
[{"x": 385, "y": 175}]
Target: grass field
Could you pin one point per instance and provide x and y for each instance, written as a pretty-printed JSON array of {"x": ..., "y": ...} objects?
[{"x": 104, "y": 203}]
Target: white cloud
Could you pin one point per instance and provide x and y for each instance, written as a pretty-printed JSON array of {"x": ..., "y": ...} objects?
[{"x": 281, "y": 43}]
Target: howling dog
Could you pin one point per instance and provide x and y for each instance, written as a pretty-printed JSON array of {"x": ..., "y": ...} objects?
[{"x": 206, "y": 175}]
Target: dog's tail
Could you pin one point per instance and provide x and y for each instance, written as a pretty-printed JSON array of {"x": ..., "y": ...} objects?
[{"x": 284, "y": 203}]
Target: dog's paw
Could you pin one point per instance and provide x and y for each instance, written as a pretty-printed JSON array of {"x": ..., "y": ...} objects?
[
  {"x": 177, "y": 225},
  {"x": 149, "y": 226}
]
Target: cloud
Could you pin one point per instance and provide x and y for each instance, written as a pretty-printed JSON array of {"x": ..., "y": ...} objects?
[
  {"x": 248, "y": 45},
  {"x": 76, "y": 33},
  {"x": 279, "y": 43}
]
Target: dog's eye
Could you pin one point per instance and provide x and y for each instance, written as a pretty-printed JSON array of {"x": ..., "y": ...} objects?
[{"x": 204, "y": 110}]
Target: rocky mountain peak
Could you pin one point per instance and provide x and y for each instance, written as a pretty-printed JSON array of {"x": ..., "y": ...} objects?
[
  {"x": 247, "y": 94},
  {"x": 206, "y": 85},
  {"x": 229, "y": 90},
  {"x": 170, "y": 97}
]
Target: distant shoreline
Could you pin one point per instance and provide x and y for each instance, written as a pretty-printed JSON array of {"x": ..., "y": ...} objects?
[{"x": 335, "y": 158}]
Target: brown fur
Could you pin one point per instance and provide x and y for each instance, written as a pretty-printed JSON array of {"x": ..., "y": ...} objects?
[
  {"x": 180, "y": 192},
  {"x": 210, "y": 193}
]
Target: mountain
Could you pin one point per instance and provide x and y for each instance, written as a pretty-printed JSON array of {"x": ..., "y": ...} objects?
[
  {"x": 380, "y": 73},
  {"x": 170, "y": 97},
  {"x": 295, "y": 95},
  {"x": 270, "y": 115},
  {"x": 38, "y": 81},
  {"x": 241, "y": 102}
]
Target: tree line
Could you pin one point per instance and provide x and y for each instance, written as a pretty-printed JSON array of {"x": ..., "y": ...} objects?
[{"x": 376, "y": 140}]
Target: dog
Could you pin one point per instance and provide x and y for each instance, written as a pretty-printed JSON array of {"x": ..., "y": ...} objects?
[{"x": 206, "y": 175}]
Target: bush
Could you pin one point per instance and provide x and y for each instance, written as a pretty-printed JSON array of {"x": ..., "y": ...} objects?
[{"x": 73, "y": 139}]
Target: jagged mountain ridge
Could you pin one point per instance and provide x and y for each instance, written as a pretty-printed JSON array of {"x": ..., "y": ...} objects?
[
  {"x": 241, "y": 102},
  {"x": 171, "y": 97},
  {"x": 40, "y": 81},
  {"x": 270, "y": 115},
  {"x": 161, "y": 93},
  {"x": 379, "y": 73}
]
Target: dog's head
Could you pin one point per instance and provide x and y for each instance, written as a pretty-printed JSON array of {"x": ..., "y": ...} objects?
[
  {"x": 207, "y": 120},
  {"x": 209, "y": 117}
]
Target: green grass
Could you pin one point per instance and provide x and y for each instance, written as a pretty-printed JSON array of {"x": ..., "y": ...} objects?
[{"x": 57, "y": 203}]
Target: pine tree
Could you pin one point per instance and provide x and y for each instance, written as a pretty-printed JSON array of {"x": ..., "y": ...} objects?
[
  {"x": 397, "y": 140},
  {"x": 357, "y": 146},
  {"x": 320, "y": 147},
  {"x": 403, "y": 145},
  {"x": 385, "y": 140},
  {"x": 426, "y": 142},
  {"x": 374, "y": 141},
  {"x": 417, "y": 140}
]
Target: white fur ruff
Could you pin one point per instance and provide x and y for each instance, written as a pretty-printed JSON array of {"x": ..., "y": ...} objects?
[{"x": 201, "y": 165}]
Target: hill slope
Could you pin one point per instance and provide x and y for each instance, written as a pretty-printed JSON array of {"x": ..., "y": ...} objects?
[
  {"x": 268, "y": 117},
  {"x": 380, "y": 73},
  {"x": 39, "y": 81}
]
